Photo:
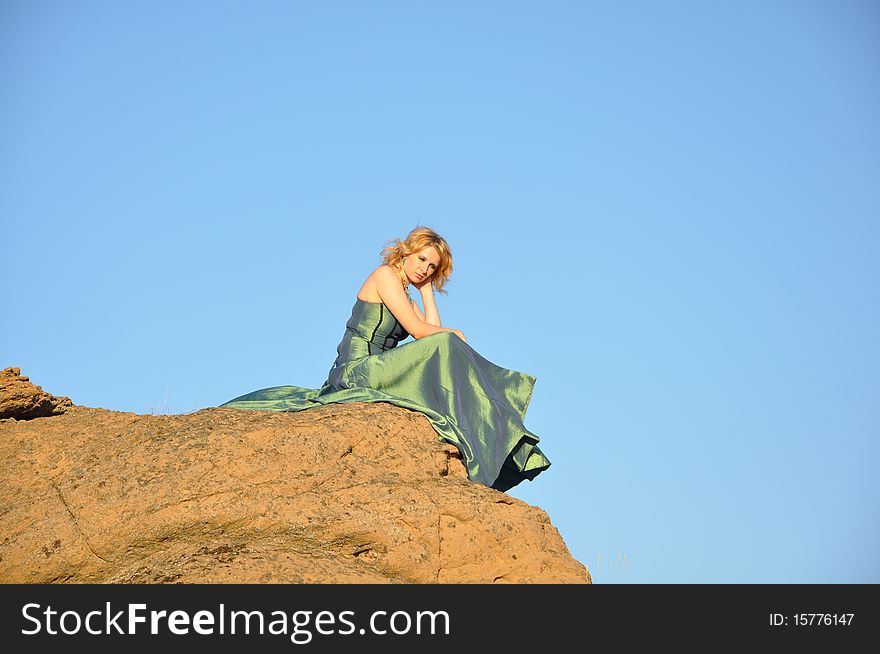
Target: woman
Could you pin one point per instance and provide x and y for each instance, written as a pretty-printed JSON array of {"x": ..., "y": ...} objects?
[{"x": 472, "y": 403}]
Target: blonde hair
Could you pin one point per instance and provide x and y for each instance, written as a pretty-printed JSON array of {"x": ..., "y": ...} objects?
[{"x": 416, "y": 241}]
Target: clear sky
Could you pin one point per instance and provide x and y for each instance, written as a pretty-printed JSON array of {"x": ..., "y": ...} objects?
[{"x": 668, "y": 212}]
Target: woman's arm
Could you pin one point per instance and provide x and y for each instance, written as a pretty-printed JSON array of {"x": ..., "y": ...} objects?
[
  {"x": 418, "y": 311},
  {"x": 422, "y": 316},
  {"x": 432, "y": 316},
  {"x": 390, "y": 290}
]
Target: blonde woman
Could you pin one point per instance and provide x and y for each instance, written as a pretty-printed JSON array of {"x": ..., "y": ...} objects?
[{"x": 472, "y": 403}]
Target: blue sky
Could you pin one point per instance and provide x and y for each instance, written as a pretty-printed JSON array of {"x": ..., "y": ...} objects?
[{"x": 666, "y": 212}]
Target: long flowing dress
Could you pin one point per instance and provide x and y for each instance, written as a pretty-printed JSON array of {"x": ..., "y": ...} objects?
[{"x": 472, "y": 403}]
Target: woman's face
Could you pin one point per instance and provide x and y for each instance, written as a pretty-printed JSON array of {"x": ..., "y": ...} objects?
[{"x": 421, "y": 265}]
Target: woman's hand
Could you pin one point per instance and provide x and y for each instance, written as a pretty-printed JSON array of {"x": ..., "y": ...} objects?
[
  {"x": 426, "y": 282},
  {"x": 458, "y": 333}
]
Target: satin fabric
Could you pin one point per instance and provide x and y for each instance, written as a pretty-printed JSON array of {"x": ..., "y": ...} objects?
[{"x": 472, "y": 403}]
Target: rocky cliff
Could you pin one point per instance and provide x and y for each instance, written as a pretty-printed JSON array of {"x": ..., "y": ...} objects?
[{"x": 347, "y": 493}]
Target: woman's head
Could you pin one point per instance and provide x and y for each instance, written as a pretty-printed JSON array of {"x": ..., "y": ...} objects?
[{"x": 425, "y": 252}]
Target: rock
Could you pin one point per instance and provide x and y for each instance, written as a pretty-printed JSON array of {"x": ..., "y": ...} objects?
[
  {"x": 21, "y": 400},
  {"x": 346, "y": 493}
]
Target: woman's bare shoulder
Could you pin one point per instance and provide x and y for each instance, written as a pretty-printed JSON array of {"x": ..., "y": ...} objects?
[{"x": 368, "y": 292}]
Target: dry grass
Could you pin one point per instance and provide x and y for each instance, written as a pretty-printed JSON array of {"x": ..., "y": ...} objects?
[{"x": 616, "y": 569}]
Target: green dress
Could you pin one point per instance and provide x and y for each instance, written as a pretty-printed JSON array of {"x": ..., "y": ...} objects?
[{"x": 472, "y": 403}]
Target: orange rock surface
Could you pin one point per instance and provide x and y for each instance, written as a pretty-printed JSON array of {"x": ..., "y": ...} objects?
[{"x": 347, "y": 493}]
